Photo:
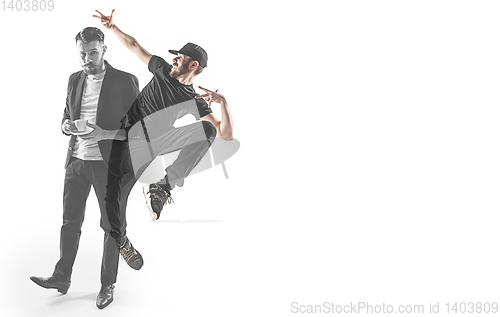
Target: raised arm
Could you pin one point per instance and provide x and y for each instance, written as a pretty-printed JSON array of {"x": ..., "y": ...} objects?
[{"x": 127, "y": 40}]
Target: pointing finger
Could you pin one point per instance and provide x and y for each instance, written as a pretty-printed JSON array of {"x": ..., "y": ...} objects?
[{"x": 205, "y": 89}]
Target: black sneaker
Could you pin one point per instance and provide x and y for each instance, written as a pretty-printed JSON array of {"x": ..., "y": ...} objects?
[
  {"x": 129, "y": 253},
  {"x": 156, "y": 197}
]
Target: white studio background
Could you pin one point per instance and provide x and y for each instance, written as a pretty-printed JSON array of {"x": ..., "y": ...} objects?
[{"x": 368, "y": 167}]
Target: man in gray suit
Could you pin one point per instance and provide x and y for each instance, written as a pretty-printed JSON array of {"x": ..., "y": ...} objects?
[{"x": 101, "y": 95}]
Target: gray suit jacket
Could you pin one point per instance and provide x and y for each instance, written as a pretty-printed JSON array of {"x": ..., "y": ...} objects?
[{"x": 118, "y": 92}]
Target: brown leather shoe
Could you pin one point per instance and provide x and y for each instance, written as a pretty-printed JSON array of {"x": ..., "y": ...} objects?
[
  {"x": 52, "y": 282},
  {"x": 105, "y": 296}
]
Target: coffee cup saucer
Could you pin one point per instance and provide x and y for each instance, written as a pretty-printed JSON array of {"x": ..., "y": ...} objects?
[{"x": 86, "y": 131}]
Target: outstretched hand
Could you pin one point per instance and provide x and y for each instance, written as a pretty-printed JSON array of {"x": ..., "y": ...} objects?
[
  {"x": 211, "y": 96},
  {"x": 107, "y": 21}
]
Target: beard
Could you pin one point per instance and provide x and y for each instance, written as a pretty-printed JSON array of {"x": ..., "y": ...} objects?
[
  {"x": 93, "y": 69},
  {"x": 177, "y": 71}
]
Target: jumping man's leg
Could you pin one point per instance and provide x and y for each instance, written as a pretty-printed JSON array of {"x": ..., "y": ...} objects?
[{"x": 194, "y": 141}]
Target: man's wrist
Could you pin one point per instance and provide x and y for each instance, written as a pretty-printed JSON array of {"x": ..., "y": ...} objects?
[
  {"x": 108, "y": 135},
  {"x": 121, "y": 135}
]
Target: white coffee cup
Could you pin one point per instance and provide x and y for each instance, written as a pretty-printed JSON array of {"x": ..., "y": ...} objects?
[{"x": 81, "y": 124}]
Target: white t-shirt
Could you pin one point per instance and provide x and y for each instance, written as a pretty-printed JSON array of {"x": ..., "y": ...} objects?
[{"x": 87, "y": 149}]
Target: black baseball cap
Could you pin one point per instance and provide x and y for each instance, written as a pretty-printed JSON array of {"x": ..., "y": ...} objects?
[{"x": 194, "y": 51}]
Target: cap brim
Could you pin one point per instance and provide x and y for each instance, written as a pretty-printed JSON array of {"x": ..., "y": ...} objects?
[{"x": 178, "y": 52}]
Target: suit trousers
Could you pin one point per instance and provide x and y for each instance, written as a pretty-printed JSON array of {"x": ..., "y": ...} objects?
[{"x": 80, "y": 177}]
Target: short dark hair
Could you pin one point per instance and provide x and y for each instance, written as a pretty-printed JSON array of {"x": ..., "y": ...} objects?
[{"x": 90, "y": 34}]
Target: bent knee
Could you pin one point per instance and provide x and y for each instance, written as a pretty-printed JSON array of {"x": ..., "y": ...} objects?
[{"x": 210, "y": 130}]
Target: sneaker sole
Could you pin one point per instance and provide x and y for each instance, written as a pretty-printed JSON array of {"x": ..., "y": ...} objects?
[
  {"x": 145, "y": 191},
  {"x": 142, "y": 261}
]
